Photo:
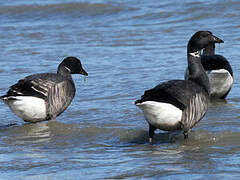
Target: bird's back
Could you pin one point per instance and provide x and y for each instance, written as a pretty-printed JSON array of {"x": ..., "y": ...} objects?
[
  {"x": 176, "y": 92},
  {"x": 36, "y": 85},
  {"x": 215, "y": 62}
]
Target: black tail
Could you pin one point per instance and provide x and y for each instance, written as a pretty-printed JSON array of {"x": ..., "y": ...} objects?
[
  {"x": 2, "y": 97},
  {"x": 138, "y": 101}
]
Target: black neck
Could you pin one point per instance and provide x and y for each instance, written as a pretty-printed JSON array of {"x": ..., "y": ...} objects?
[
  {"x": 196, "y": 70},
  {"x": 209, "y": 50}
]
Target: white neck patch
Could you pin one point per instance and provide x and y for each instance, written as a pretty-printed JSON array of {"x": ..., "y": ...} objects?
[
  {"x": 67, "y": 69},
  {"x": 195, "y": 54}
]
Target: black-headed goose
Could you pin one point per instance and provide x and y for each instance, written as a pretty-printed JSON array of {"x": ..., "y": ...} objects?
[
  {"x": 180, "y": 104},
  {"x": 219, "y": 72},
  {"x": 44, "y": 96}
]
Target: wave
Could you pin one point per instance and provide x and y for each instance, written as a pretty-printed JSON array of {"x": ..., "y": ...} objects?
[
  {"x": 83, "y": 9},
  {"x": 55, "y": 133}
]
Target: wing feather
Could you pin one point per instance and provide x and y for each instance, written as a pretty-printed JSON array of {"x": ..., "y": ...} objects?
[
  {"x": 36, "y": 85},
  {"x": 176, "y": 92}
]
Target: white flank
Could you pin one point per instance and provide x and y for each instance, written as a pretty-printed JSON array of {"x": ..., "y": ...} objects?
[
  {"x": 220, "y": 82},
  {"x": 218, "y": 71},
  {"x": 31, "y": 109},
  {"x": 161, "y": 115}
]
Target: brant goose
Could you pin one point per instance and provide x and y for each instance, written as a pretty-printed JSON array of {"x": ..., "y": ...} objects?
[
  {"x": 219, "y": 72},
  {"x": 44, "y": 96},
  {"x": 180, "y": 104}
]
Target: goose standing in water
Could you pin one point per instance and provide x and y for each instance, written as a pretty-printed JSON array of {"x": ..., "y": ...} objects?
[
  {"x": 180, "y": 104},
  {"x": 44, "y": 96},
  {"x": 219, "y": 72}
]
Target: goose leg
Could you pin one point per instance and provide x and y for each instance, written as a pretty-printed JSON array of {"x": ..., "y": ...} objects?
[
  {"x": 151, "y": 133},
  {"x": 185, "y": 135}
]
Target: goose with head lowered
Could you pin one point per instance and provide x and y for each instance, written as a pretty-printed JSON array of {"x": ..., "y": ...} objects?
[
  {"x": 44, "y": 96},
  {"x": 180, "y": 104},
  {"x": 219, "y": 72}
]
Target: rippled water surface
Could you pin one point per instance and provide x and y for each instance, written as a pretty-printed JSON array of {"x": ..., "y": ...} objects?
[{"x": 126, "y": 47}]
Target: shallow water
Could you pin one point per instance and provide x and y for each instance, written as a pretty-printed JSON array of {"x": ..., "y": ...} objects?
[{"x": 126, "y": 47}]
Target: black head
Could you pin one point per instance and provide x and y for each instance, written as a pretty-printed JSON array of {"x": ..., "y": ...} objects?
[
  {"x": 71, "y": 65},
  {"x": 202, "y": 39}
]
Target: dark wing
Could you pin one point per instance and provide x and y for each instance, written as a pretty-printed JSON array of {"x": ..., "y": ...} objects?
[
  {"x": 59, "y": 97},
  {"x": 216, "y": 62},
  {"x": 176, "y": 92},
  {"x": 36, "y": 85}
]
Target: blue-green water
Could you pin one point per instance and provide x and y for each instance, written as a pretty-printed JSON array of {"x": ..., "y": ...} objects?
[{"x": 126, "y": 47}]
